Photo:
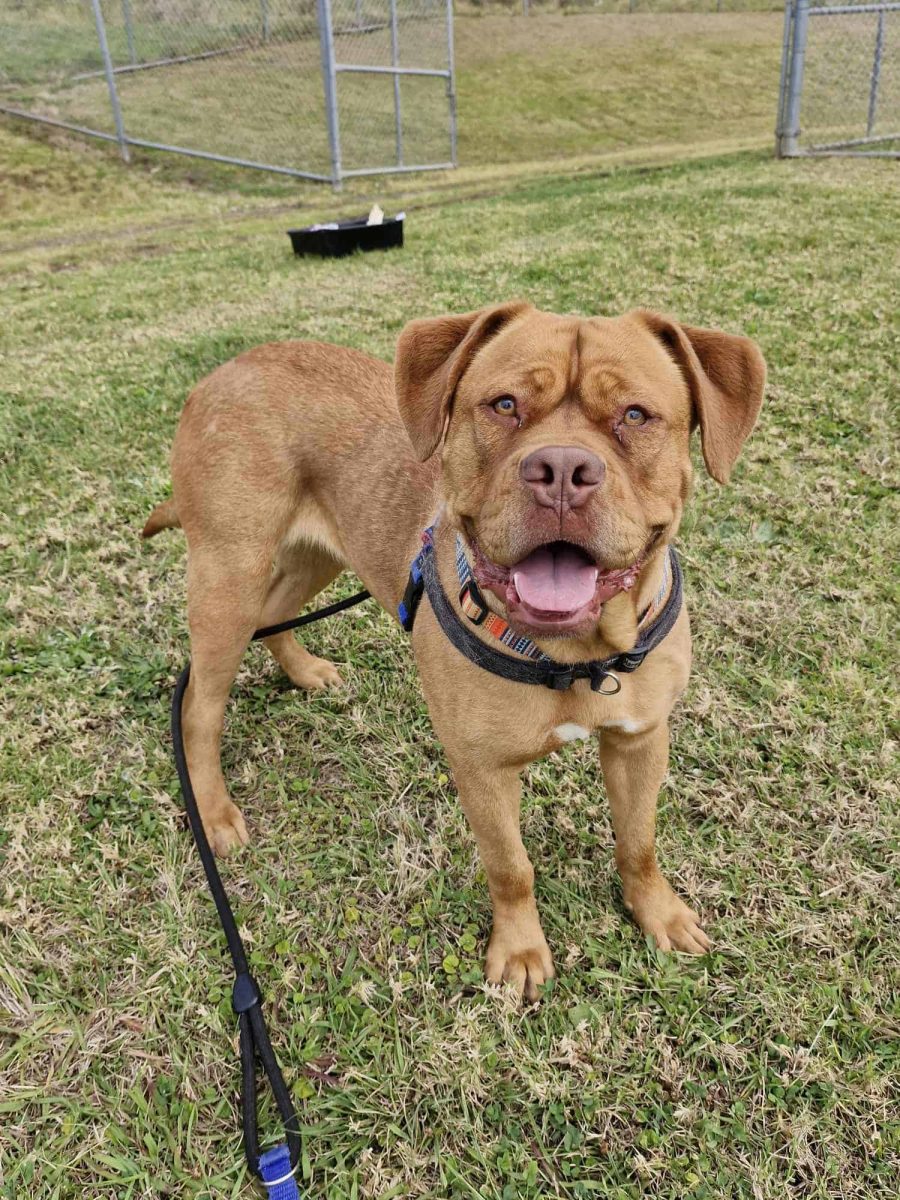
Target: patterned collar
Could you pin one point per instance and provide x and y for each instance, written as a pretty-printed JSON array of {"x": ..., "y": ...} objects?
[
  {"x": 521, "y": 666},
  {"x": 473, "y": 605}
]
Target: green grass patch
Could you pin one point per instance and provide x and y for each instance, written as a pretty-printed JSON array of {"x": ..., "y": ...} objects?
[{"x": 767, "y": 1069}]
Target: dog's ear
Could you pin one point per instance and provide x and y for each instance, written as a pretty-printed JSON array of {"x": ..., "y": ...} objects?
[
  {"x": 726, "y": 375},
  {"x": 432, "y": 356}
]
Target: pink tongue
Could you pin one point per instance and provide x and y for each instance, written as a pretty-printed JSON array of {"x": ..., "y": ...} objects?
[{"x": 556, "y": 580}]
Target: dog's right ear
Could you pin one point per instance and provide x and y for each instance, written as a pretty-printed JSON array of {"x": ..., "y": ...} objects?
[{"x": 432, "y": 356}]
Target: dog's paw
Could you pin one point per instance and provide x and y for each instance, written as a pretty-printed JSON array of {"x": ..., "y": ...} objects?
[
  {"x": 225, "y": 829},
  {"x": 519, "y": 957},
  {"x": 314, "y": 673},
  {"x": 665, "y": 917}
]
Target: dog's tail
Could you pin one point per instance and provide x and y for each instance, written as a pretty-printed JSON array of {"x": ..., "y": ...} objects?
[{"x": 164, "y": 516}]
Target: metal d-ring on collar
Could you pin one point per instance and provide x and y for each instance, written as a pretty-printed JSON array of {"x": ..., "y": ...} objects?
[{"x": 559, "y": 677}]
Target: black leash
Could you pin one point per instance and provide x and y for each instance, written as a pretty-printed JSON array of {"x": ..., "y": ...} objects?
[
  {"x": 274, "y": 1167},
  {"x": 319, "y": 615}
]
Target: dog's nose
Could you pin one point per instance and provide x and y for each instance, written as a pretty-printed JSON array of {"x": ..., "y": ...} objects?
[{"x": 562, "y": 477}]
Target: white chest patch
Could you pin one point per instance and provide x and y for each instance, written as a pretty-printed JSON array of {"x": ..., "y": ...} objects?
[
  {"x": 625, "y": 726},
  {"x": 570, "y": 732}
]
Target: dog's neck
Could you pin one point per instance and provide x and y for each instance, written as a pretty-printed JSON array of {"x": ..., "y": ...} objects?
[{"x": 615, "y": 632}]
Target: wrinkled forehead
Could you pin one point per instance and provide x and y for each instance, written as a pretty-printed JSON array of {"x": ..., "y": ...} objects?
[{"x": 590, "y": 358}]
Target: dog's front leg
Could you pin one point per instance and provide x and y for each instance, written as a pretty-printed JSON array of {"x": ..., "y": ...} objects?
[
  {"x": 634, "y": 766},
  {"x": 517, "y": 952}
]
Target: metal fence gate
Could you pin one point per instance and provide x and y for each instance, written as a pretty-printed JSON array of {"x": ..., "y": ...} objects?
[
  {"x": 319, "y": 89},
  {"x": 840, "y": 80},
  {"x": 392, "y": 82}
]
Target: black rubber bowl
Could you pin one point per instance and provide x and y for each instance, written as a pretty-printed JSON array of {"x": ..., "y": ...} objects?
[{"x": 348, "y": 237}]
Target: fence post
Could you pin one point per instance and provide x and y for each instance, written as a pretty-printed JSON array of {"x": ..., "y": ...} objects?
[
  {"x": 129, "y": 30},
  {"x": 264, "y": 13},
  {"x": 395, "y": 61},
  {"x": 329, "y": 83},
  {"x": 876, "y": 75},
  {"x": 786, "y": 36},
  {"x": 789, "y": 126},
  {"x": 451, "y": 81},
  {"x": 111, "y": 81}
]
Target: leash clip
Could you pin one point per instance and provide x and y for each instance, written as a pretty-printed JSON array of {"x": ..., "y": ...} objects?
[{"x": 415, "y": 586}]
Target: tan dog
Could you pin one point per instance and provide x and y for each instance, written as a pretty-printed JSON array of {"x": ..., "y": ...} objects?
[{"x": 564, "y": 464}]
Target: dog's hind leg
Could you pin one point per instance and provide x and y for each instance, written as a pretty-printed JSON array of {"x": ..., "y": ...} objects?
[
  {"x": 226, "y": 595},
  {"x": 301, "y": 574}
]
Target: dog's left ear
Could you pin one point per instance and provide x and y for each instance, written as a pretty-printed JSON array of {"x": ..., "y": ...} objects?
[
  {"x": 726, "y": 375},
  {"x": 432, "y": 356}
]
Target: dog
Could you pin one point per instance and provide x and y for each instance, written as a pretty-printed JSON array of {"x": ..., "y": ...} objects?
[{"x": 551, "y": 456}]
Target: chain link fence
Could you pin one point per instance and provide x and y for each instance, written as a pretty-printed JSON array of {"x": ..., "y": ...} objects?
[
  {"x": 319, "y": 89},
  {"x": 840, "y": 80},
  {"x": 326, "y": 89}
]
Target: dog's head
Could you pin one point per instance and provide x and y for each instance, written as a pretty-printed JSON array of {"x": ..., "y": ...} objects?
[{"x": 565, "y": 443}]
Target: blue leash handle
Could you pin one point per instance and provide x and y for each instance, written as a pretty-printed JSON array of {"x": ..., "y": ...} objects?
[{"x": 277, "y": 1174}]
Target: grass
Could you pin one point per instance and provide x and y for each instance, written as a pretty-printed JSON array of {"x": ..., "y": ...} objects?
[{"x": 767, "y": 1069}]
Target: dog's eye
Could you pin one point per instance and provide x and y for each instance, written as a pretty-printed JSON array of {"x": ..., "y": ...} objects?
[
  {"x": 635, "y": 415},
  {"x": 506, "y": 406}
]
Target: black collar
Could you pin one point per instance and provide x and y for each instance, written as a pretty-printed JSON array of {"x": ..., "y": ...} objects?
[{"x": 545, "y": 672}]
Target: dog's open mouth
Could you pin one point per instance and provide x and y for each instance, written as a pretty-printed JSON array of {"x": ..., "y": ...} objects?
[{"x": 557, "y": 588}]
